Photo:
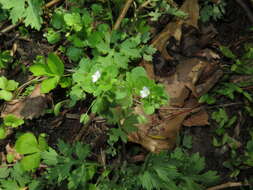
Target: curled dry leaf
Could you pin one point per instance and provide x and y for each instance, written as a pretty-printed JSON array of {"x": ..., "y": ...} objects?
[{"x": 30, "y": 107}]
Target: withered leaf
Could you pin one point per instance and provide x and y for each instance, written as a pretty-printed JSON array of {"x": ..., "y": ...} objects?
[{"x": 30, "y": 107}]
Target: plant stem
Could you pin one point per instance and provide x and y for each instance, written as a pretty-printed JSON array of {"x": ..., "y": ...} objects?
[{"x": 122, "y": 14}]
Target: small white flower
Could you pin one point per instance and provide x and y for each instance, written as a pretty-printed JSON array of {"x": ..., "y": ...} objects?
[
  {"x": 96, "y": 76},
  {"x": 144, "y": 92}
]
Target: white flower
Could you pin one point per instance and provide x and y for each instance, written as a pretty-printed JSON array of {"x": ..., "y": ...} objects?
[
  {"x": 96, "y": 76},
  {"x": 144, "y": 92}
]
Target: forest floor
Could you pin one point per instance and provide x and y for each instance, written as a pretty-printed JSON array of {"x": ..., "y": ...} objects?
[{"x": 218, "y": 126}]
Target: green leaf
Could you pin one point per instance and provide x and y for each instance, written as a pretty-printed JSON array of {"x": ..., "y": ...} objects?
[
  {"x": 65, "y": 82},
  {"x": 49, "y": 84},
  {"x": 42, "y": 142},
  {"x": 187, "y": 141},
  {"x": 227, "y": 52},
  {"x": 55, "y": 64},
  {"x": 2, "y": 133},
  {"x": 74, "y": 53},
  {"x": 3, "y": 82},
  {"x": 17, "y": 9},
  {"x": 10, "y": 185},
  {"x": 50, "y": 157},
  {"x": 31, "y": 162},
  {"x": 4, "y": 171},
  {"x": 11, "y": 85},
  {"x": 10, "y": 157},
  {"x": 77, "y": 93},
  {"x": 148, "y": 109},
  {"x": 30, "y": 10},
  {"x": 11, "y": 120},
  {"x": 32, "y": 14},
  {"x": 57, "y": 107},
  {"x": 5, "y": 95},
  {"x": 40, "y": 69},
  {"x": 53, "y": 36},
  {"x": 81, "y": 150},
  {"x": 5, "y": 57},
  {"x": 57, "y": 20},
  {"x": 27, "y": 144},
  {"x": 73, "y": 20},
  {"x": 84, "y": 118}
]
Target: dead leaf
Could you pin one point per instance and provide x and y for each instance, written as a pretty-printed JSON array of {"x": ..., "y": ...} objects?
[
  {"x": 197, "y": 119},
  {"x": 191, "y": 7},
  {"x": 173, "y": 29},
  {"x": 31, "y": 107}
]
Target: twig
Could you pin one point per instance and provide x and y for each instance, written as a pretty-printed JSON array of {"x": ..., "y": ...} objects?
[
  {"x": 228, "y": 184},
  {"x": 225, "y": 105},
  {"x": 10, "y": 27},
  {"x": 122, "y": 14},
  {"x": 143, "y": 5},
  {"x": 52, "y": 3}
]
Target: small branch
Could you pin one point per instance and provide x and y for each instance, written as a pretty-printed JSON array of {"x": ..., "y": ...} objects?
[
  {"x": 225, "y": 105},
  {"x": 228, "y": 184},
  {"x": 143, "y": 5},
  {"x": 122, "y": 14},
  {"x": 52, "y": 3},
  {"x": 9, "y": 28}
]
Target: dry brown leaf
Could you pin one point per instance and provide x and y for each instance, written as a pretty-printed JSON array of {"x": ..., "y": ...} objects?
[
  {"x": 31, "y": 107},
  {"x": 191, "y": 7},
  {"x": 173, "y": 29},
  {"x": 197, "y": 119}
]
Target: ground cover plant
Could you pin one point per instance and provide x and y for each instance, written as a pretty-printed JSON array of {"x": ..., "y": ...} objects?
[{"x": 126, "y": 94}]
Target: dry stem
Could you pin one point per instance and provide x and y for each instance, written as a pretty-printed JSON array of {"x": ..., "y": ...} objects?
[
  {"x": 228, "y": 184},
  {"x": 122, "y": 14}
]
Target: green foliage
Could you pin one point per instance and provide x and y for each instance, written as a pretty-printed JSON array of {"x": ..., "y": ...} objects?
[
  {"x": 70, "y": 166},
  {"x": 223, "y": 120},
  {"x": 178, "y": 169},
  {"x": 5, "y": 58},
  {"x": 28, "y": 145},
  {"x": 6, "y": 88},
  {"x": 11, "y": 120},
  {"x": 53, "y": 36},
  {"x": 28, "y": 10},
  {"x": 16, "y": 178},
  {"x": 207, "y": 98},
  {"x": 240, "y": 66},
  {"x": 162, "y": 8},
  {"x": 212, "y": 11},
  {"x": 53, "y": 70}
]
